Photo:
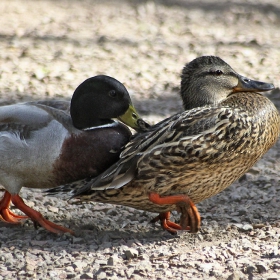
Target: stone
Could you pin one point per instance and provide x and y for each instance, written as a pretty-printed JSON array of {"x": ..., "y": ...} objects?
[
  {"x": 234, "y": 276},
  {"x": 113, "y": 260},
  {"x": 78, "y": 240},
  {"x": 261, "y": 268},
  {"x": 78, "y": 265},
  {"x": 101, "y": 262},
  {"x": 250, "y": 269},
  {"x": 71, "y": 275},
  {"x": 53, "y": 209},
  {"x": 101, "y": 275},
  {"x": 53, "y": 273},
  {"x": 205, "y": 267},
  {"x": 131, "y": 253},
  {"x": 86, "y": 276}
]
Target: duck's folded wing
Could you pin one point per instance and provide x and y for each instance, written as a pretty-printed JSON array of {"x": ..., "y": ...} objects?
[
  {"x": 191, "y": 136},
  {"x": 56, "y": 104},
  {"x": 23, "y": 118},
  {"x": 24, "y": 114}
]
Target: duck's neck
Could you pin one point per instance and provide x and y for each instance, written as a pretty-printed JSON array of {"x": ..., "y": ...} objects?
[
  {"x": 202, "y": 95},
  {"x": 193, "y": 99},
  {"x": 83, "y": 121}
]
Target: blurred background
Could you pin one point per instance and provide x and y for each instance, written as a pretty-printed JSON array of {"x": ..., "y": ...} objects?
[{"x": 47, "y": 48}]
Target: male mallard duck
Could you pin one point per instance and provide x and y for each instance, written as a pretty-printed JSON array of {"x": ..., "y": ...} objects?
[
  {"x": 42, "y": 146},
  {"x": 192, "y": 155}
]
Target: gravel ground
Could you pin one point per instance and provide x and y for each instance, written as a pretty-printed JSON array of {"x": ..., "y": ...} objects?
[{"x": 48, "y": 47}]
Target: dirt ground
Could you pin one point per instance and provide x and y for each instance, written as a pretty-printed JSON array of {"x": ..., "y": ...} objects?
[{"x": 47, "y": 48}]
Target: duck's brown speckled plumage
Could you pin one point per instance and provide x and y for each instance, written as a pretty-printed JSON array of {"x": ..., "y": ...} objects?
[
  {"x": 203, "y": 166},
  {"x": 197, "y": 153}
]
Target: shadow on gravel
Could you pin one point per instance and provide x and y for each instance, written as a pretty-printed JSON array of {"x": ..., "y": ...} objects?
[
  {"x": 95, "y": 240},
  {"x": 168, "y": 102},
  {"x": 207, "y": 6},
  {"x": 213, "y": 6}
]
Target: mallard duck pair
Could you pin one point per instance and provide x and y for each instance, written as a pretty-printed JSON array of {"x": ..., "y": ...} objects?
[
  {"x": 191, "y": 156},
  {"x": 43, "y": 146}
]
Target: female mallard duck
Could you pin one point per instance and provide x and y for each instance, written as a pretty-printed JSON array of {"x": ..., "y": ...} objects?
[
  {"x": 42, "y": 146},
  {"x": 193, "y": 155}
]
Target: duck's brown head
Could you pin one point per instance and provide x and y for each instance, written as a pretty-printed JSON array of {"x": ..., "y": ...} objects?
[{"x": 208, "y": 80}]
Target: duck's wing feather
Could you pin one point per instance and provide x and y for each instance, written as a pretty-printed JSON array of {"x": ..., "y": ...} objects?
[
  {"x": 63, "y": 105},
  {"x": 187, "y": 137},
  {"x": 25, "y": 117}
]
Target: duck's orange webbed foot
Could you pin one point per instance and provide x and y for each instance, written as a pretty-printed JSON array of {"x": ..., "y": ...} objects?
[
  {"x": 37, "y": 217},
  {"x": 190, "y": 217},
  {"x": 6, "y": 214},
  {"x": 166, "y": 224}
]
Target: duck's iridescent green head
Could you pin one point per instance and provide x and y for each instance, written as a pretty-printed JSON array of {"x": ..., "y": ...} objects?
[
  {"x": 99, "y": 99},
  {"x": 208, "y": 80}
]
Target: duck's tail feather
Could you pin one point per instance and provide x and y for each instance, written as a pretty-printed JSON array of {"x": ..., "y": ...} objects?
[{"x": 69, "y": 190}]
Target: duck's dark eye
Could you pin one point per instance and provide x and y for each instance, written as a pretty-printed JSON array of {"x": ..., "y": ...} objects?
[
  {"x": 218, "y": 72},
  {"x": 112, "y": 93}
]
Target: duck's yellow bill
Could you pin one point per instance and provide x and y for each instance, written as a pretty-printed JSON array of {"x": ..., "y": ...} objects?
[{"x": 130, "y": 118}]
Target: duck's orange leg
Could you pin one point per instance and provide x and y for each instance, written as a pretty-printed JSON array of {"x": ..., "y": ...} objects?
[
  {"x": 190, "y": 218},
  {"x": 37, "y": 217},
  {"x": 6, "y": 214}
]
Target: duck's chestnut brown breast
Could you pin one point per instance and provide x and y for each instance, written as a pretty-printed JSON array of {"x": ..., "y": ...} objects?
[{"x": 89, "y": 153}]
